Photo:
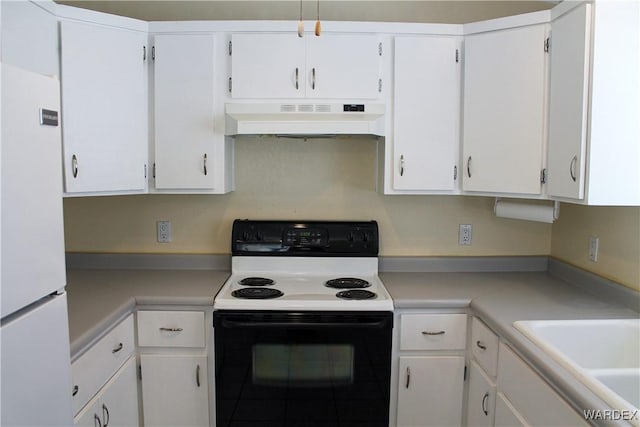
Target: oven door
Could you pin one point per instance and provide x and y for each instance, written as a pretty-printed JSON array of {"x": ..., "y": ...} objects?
[{"x": 305, "y": 368}]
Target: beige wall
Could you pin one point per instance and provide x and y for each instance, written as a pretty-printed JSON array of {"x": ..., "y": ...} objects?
[
  {"x": 618, "y": 229},
  {"x": 283, "y": 178}
]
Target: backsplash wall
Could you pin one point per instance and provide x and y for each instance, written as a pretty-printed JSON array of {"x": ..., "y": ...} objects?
[{"x": 283, "y": 178}]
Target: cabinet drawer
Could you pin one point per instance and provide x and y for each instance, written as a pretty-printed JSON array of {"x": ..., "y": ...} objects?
[
  {"x": 484, "y": 346},
  {"x": 433, "y": 331},
  {"x": 171, "y": 329},
  {"x": 531, "y": 396},
  {"x": 92, "y": 370}
]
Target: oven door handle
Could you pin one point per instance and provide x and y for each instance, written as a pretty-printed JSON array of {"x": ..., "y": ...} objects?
[{"x": 227, "y": 323}]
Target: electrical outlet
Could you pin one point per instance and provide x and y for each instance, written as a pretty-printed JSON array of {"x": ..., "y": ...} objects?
[
  {"x": 164, "y": 231},
  {"x": 594, "y": 241},
  {"x": 464, "y": 234}
]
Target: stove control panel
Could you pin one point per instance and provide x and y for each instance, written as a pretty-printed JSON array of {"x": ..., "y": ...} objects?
[{"x": 305, "y": 238}]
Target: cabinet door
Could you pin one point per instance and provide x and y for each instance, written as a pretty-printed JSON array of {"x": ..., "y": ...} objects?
[
  {"x": 174, "y": 390},
  {"x": 103, "y": 108},
  {"x": 267, "y": 66},
  {"x": 568, "y": 103},
  {"x": 116, "y": 404},
  {"x": 481, "y": 401},
  {"x": 504, "y": 94},
  {"x": 430, "y": 391},
  {"x": 342, "y": 66},
  {"x": 184, "y": 116},
  {"x": 426, "y": 108}
]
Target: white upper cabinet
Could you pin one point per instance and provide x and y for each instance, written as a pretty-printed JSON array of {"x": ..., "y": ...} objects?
[
  {"x": 426, "y": 105},
  {"x": 104, "y": 108},
  {"x": 184, "y": 111},
  {"x": 594, "y": 153},
  {"x": 286, "y": 66},
  {"x": 504, "y": 110}
]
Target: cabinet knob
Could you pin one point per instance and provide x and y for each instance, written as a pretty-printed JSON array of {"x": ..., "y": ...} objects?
[
  {"x": 313, "y": 78},
  {"x": 171, "y": 329},
  {"x": 198, "y": 375},
  {"x": 481, "y": 345},
  {"x": 408, "y": 378},
  {"x": 402, "y": 165},
  {"x": 469, "y": 166},
  {"x": 75, "y": 390},
  {"x": 433, "y": 333},
  {"x": 96, "y": 421},
  {"x": 297, "y": 73},
  {"x": 117, "y": 349},
  {"x": 105, "y": 415},
  {"x": 205, "y": 164}
]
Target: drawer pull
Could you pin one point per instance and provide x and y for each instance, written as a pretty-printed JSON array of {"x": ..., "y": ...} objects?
[
  {"x": 96, "y": 421},
  {"x": 484, "y": 403},
  {"x": 75, "y": 390},
  {"x": 481, "y": 345},
  {"x": 433, "y": 333},
  {"x": 198, "y": 375},
  {"x": 118, "y": 348},
  {"x": 171, "y": 329}
]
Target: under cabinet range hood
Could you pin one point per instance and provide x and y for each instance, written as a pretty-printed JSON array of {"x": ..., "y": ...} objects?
[{"x": 304, "y": 119}]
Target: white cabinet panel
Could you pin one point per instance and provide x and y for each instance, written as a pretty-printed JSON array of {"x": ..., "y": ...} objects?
[
  {"x": 426, "y": 107},
  {"x": 175, "y": 390},
  {"x": 484, "y": 346},
  {"x": 280, "y": 66},
  {"x": 433, "y": 331},
  {"x": 504, "y": 110},
  {"x": 104, "y": 103},
  {"x": 482, "y": 395},
  {"x": 568, "y": 103},
  {"x": 430, "y": 391},
  {"x": 342, "y": 66},
  {"x": 171, "y": 329},
  {"x": 184, "y": 111}
]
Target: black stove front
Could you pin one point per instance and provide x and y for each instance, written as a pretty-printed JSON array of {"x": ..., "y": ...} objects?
[{"x": 298, "y": 369}]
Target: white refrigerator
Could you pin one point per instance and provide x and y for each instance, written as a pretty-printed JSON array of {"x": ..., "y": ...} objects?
[{"x": 35, "y": 371}]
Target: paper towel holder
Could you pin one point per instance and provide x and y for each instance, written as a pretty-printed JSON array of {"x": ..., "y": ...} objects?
[{"x": 556, "y": 210}]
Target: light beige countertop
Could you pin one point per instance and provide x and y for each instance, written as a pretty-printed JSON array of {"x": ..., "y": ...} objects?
[{"x": 98, "y": 298}]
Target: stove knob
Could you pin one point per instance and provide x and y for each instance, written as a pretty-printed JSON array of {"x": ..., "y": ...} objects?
[
  {"x": 365, "y": 237},
  {"x": 259, "y": 236},
  {"x": 245, "y": 236},
  {"x": 350, "y": 237}
]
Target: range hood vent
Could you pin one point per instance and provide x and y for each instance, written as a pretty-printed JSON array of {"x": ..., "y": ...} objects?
[{"x": 304, "y": 119}]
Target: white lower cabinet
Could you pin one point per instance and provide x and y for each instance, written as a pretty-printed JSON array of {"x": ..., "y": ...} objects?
[
  {"x": 174, "y": 390},
  {"x": 430, "y": 374},
  {"x": 116, "y": 404},
  {"x": 173, "y": 363},
  {"x": 430, "y": 391}
]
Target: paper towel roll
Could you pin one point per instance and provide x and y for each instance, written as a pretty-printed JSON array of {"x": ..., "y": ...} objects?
[{"x": 525, "y": 211}]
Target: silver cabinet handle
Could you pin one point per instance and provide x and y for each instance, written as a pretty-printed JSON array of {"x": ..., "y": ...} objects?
[
  {"x": 74, "y": 166},
  {"x": 96, "y": 421},
  {"x": 469, "y": 166},
  {"x": 484, "y": 403},
  {"x": 572, "y": 168},
  {"x": 75, "y": 390},
  {"x": 408, "y": 378},
  {"x": 118, "y": 348},
  {"x": 401, "y": 164},
  {"x": 481, "y": 345},
  {"x": 297, "y": 73},
  {"x": 171, "y": 329},
  {"x": 205, "y": 164},
  {"x": 313, "y": 78},
  {"x": 105, "y": 415},
  {"x": 198, "y": 375},
  {"x": 433, "y": 333}
]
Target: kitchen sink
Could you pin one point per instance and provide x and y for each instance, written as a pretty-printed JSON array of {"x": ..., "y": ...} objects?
[{"x": 603, "y": 354}]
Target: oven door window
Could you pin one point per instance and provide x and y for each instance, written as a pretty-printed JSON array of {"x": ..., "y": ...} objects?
[{"x": 299, "y": 365}]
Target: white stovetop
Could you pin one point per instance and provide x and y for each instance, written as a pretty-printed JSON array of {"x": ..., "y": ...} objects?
[{"x": 302, "y": 280}]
